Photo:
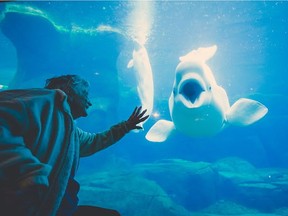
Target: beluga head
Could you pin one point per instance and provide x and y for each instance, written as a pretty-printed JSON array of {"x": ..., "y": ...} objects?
[
  {"x": 198, "y": 106},
  {"x": 193, "y": 79}
]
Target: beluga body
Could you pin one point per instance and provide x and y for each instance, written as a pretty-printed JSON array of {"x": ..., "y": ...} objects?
[{"x": 198, "y": 106}]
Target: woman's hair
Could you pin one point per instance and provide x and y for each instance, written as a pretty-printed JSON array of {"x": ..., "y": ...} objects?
[{"x": 66, "y": 83}]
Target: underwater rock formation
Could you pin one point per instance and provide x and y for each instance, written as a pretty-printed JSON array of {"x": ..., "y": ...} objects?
[
  {"x": 130, "y": 194},
  {"x": 263, "y": 189},
  {"x": 191, "y": 184},
  {"x": 230, "y": 186}
]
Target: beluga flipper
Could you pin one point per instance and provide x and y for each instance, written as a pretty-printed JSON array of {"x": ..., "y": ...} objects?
[{"x": 198, "y": 106}]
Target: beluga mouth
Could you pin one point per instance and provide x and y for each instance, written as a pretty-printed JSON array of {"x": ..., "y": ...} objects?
[{"x": 191, "y": 91}]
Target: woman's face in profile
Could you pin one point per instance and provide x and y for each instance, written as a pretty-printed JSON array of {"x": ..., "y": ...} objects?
[{"x": 80, "y": 101}]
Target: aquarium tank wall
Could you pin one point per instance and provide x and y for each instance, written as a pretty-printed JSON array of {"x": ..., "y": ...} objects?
[{"x": 212, "y": 76}]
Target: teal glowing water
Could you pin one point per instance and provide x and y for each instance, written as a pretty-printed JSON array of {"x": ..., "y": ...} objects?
[{"x": 239, "y": 171}]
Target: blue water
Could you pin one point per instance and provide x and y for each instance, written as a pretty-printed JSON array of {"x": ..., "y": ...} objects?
[{"x": 240, "y": 171}]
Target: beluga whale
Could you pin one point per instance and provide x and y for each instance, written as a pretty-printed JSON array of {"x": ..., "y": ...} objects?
[
  {"x": 144, "y": 76},
  {"x": 198, "y": 106}
]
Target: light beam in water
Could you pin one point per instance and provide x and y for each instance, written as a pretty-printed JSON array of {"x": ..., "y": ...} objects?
[{"x": 140, "y": 20}]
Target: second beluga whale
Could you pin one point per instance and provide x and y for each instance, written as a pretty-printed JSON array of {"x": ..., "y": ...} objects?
[
  {"x": 198, "y": 106},
  {"x": 144, "y": 76}
]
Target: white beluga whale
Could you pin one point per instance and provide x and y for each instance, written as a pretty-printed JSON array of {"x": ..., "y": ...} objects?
[
  {"x": 143, "y": 73},
  {"x": 198, "y": 106}
]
